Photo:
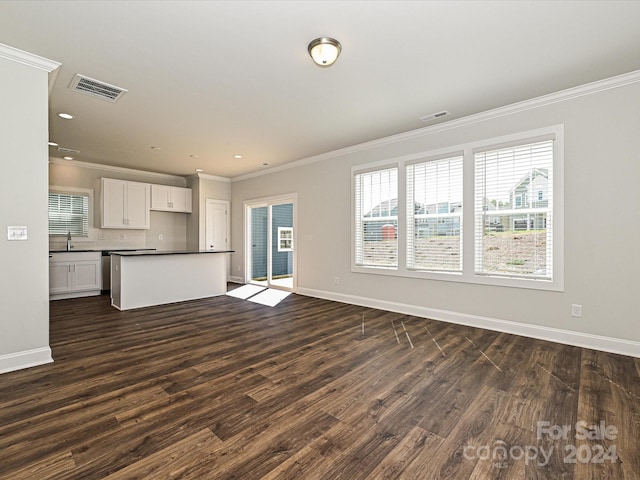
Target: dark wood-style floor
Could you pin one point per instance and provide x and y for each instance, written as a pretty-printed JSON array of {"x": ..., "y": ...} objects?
[{"x": 223, "y": 388}]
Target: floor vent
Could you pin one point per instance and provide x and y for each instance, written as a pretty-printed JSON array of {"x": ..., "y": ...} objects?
[
  {"x": 433, "y": 116},
  {"x": 96, "y": 88}
]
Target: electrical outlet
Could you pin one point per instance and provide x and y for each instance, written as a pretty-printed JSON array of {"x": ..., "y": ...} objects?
[
  {"x": 123, "y": 236},
  {"x": 161, "y": 237},
  {"x": 576, "y": 310},
  {"x": 101, "y": 236},
  {"x": 336, "y": 280}
]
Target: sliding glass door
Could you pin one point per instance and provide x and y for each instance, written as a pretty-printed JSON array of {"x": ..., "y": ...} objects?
[
  {"x": 259, "y": 257},
  {"x": 270, "y": 242}
]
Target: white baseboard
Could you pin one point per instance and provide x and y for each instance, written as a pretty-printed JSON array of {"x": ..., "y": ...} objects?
[
  {"x": 63, "y": 296},
  {"x": 233, "y": 279},
  {"x": 567, "y": 337},
  {"x": 25, "y": 359}
]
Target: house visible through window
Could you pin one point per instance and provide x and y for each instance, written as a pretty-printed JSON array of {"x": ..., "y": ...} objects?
[
  {"x": 376, "y": 218},
  {"x": 510, "y": 232},
  {"x": 68, "y": 212},
  {"x": 434, "y": 212},
  {"x": 513, "y": 231}
]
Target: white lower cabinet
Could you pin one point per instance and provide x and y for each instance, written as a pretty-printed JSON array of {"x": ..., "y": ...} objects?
[{"x": 75, "y": 274}]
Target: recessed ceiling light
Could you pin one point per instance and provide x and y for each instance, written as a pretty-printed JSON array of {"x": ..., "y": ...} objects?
[
  {"x": 194, "y": 156},
  {"x": 66, "y": 116},
  {"x": 53, "y": 144},
  {"x": 68, "y": 158},
  {"x": 199, "y": 170},
  {"x": 265, "y": 164},
  {"x": 237, "y": 156},
  {"x": 152, "y": 147}
]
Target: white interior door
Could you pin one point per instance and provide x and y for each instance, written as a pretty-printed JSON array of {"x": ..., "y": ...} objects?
[{"x": 217, "y": 225}]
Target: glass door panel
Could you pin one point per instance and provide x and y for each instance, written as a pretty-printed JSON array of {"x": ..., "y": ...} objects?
[
  {"x": 259, "y": 248},
  {"x": 282, "y": 245},
  {"x": 270, "y": 242}
]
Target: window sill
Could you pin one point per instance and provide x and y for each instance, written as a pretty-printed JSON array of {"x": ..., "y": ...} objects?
[{"x": 456, "y": 277}]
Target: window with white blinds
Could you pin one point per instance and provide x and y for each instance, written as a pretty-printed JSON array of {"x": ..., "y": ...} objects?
[
  {"x": 514, "y": 211},
  {"x": 68, "y": 213},
  {"x": 488, "y": 212},
  {"x": 434, "y": 215},
  {"x": 376, "y": 218}
]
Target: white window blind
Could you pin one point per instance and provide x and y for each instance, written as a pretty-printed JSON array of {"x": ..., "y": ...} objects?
[
  {"x": 376, "y": 218},
  {"x": 68, "y": 213},
  {"x": 514, "y": 211},
  {"x": 434, "y": 215}
]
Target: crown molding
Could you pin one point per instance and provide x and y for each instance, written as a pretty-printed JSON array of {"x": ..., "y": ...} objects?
[
  {"x": 206, "y": 176},
  {"x": 537, "y": 102},
  {"x": 110, "y": 168},
  {"x": 26, "y": 58}
]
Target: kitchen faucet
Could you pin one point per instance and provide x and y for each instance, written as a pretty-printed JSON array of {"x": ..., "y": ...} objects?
[{"x": 69, "y": 241}]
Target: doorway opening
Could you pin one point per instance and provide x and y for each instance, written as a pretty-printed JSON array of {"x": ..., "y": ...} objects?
[{"x": 270, "y": 242}]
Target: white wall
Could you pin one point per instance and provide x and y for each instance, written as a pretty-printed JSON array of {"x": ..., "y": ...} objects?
[
  {"x": 602, "y": 227},
  {"x": 24, "y": 279},
  {"x": 204, "y": 187},
  {"x": 172, "y": 226}
]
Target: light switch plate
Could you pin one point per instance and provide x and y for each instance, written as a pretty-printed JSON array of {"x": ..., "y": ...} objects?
[{"x": 16, "y": 233}]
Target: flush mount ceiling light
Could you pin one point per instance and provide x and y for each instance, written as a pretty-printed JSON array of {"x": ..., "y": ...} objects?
[{"x": 324, "y": 51}]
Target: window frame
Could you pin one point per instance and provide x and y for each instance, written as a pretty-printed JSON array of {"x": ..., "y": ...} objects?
[
  {"x": 438, "y": 216},
  {"x": 289, "y": 240},
  {"x": 468, "y": 275},
  {"x": 74, "y": 191},
  {"x": 354, "y": 224}
]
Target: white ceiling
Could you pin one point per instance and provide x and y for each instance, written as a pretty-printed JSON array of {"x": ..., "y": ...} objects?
[{"x": 219, "y": 78}]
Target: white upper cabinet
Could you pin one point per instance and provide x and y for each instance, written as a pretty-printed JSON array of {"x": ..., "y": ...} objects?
[
  {"x": 125, "y": 204},
  {"x": 170, "y": 199}
]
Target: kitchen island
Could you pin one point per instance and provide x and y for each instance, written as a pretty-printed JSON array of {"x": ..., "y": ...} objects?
[{"x": 146, "y": 278}]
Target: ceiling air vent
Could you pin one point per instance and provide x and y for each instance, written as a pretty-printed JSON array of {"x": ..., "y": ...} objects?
[
  {"x": 433, "y": 116},
  {"x": 96, "y": 88},
  {"x": 67, "y": 150}
]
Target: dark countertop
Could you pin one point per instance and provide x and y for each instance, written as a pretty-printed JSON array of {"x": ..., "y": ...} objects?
[
  {"x": 140, "y": 253},
  {"x": 105, "y": 252}
]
